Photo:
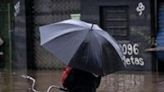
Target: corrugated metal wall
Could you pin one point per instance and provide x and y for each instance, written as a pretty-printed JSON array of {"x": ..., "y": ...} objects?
[{"x": 45, "y": 12}]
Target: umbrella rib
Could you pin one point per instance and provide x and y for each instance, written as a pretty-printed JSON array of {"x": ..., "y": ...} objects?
[
  {"x": 80, "y": 44},
  {"x": 99, "y": 43}
]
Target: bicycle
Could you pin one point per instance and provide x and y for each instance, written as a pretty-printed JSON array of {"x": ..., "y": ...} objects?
[{"x": 49, "y": 88}]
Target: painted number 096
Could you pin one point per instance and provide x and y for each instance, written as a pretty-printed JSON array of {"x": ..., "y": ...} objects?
[{"x": 129, "y": 49}]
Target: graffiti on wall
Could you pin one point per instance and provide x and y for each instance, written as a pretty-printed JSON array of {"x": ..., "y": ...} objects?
[
  {"x": 131, "y": 54},
  {"x": 17, "y": 8},
  {"x": 140, "y": 8}
]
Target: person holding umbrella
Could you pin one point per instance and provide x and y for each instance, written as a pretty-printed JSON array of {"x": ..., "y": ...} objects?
[{"x": 86, "y": 48}]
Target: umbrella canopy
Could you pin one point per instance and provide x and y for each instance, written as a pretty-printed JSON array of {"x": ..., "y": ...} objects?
[{"x": 82, "y": 45}]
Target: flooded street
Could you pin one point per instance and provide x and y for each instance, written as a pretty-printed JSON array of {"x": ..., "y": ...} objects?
[{"x": 117, "y": 82}]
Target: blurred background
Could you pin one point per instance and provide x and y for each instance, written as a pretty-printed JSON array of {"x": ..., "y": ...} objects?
[{"x": 137, "y": 25}]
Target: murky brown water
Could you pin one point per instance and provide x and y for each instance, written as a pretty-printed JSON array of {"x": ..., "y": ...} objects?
[{"x": 117, "y": 82}]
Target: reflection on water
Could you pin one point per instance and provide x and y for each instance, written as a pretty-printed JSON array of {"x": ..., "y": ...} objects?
[
  {"x": 128, "y": 82},
  {"x": 117, "y": 82}
]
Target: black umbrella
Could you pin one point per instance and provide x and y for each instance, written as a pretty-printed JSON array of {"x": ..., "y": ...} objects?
[{"x": 82, "y": 45}]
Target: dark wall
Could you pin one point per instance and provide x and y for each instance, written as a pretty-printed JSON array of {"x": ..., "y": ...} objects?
[
  {"x": 139, "y": 28},
  {"x": 5, "y": 1}
]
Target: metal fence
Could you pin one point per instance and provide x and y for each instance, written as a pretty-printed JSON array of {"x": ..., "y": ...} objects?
[{"x": 45, "y": 12}]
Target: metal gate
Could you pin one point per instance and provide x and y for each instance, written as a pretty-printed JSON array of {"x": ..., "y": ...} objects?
[{"x": 45, "y": 12}]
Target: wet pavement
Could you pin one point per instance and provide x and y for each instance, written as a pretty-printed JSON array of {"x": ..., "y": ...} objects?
[{"x": 117, "y": 82}]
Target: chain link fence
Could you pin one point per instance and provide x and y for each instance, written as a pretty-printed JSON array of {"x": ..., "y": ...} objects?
[{"x": 46, "y": 12}]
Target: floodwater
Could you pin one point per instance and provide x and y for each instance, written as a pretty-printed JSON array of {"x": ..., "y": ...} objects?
[{"x": 117, "y": 82}]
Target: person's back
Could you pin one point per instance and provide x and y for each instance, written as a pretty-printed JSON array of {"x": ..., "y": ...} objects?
[{"x": 81, "y": 81}]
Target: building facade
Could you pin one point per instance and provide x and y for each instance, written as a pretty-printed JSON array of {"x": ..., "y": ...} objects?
[{"x": 133, "y": 23}]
